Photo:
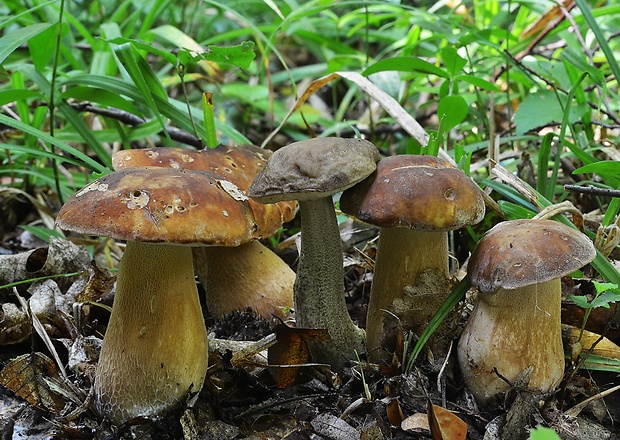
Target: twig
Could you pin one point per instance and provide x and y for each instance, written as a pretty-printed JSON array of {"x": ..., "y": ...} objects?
[
  {"x": 593, "y": 190},
  {"x": 176, "y": 134}
]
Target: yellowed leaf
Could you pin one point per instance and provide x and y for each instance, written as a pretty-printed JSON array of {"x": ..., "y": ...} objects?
[
  {"x": 445, "y": 425},
  {"x": 389, "y": 104}
]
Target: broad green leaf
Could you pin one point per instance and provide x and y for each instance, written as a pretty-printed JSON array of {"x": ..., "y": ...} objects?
[
  {"x": 451, "y": 111},
  {"x": 240, "y": 55},
  {"x": 604, "y": 167},
  {"x": 405, "y": 64},
  {"x": 542, "y": 433},
  {"x": 477, "y": 82},
  {"x": 602, "y": 300},
  {"x": 542, "y": 108},
  {"x": 16, "y": 38},
  {"x": 452, "y": 60},
  {"x": 42, "y": 47}
]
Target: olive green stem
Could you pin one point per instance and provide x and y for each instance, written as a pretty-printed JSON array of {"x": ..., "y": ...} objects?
[{"x": 319, "y": 288}]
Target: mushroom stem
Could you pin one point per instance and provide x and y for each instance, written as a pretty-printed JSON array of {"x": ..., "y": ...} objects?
[
  {"x": 513, "y": 330},
  {"x": 155, "y": 348},
  {"x": 319, "y": 288},
  {"x": 410, "y": 280},
  {"x": 242, "y": 276}
]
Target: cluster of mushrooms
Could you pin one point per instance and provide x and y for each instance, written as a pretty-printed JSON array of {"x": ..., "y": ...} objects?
[{"x": 185, "y": 212}]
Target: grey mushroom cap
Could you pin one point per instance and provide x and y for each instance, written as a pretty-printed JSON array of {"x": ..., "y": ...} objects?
[
  {"x": 519, "y": 253},
  {"x": 313, "y": 169}
]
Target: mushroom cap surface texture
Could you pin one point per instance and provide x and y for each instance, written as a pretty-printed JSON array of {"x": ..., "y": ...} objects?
[
  {"x": 314, "y": 168},
  {"x": 522, "y": 252},
  {"x": 239, "y": 165},
  {"x": 419, "y": 192},
  {"x": 160, "y": 205}
]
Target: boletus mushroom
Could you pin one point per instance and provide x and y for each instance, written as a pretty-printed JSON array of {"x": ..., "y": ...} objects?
[
  {"x": 248, "y": 275},
  {"x": 155, "y": 348},
  {"x": 310, "y": 172},
  {"x": 515, "y": 324},
  {"x": 415, "y": 200}
]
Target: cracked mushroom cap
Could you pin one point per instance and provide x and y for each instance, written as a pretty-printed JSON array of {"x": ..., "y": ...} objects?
[
  {"x": 314, "y": 168},
  {"x": 418, "y": 192},
  {"x": 239, "y": 165},
  {"x": 161, "y": 205},
  {"x": 519, "y": 253}
]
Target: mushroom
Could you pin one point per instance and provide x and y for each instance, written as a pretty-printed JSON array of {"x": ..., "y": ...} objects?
[
  {"x": 515, "y": 324},
  {"x": 155, "y": 347},
  {"x": 415, "y": 200},
  {"x": 234, "y": 277},
  {"x": 310, "y": 172}
]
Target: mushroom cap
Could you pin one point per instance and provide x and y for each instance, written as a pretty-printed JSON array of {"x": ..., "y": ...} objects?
[
  {"x": 314, "y": 168},
  {"x": 161, "y": 205},
  {"x": 419, "y": 192},
  {"x": 239, "y": 165},
  {"x": 519, "y": 253}
]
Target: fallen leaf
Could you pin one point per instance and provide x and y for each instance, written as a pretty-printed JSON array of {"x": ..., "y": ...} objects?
[
  {"x": 445, "y": 425},
  {"x": 291, "y": 348},
  {"x": 394, "y": 413},
  {"x": 34, "y": 377}
]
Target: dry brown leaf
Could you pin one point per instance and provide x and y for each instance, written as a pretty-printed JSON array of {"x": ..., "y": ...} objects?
[
  {"x": 291, "y": 348},
  {"x": 416, "y": 422},
  {"x": 389, "y": 104},
  {"x": 551, "y": 18},
  {"x": 445, "y": 425},
  {"x": 31, "y": 377},
  {"x": 394, "y": 413},
  {"x": 604, "y": 347}
]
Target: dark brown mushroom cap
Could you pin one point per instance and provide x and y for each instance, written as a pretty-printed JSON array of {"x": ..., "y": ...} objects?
[
  {"x": 518, "y": 253},
  {"x": 419, "y": 192},
  {"x": 239, "y": 165},
  {"x": 314, "y": 168},
  {"x": 161, "y": 205}
]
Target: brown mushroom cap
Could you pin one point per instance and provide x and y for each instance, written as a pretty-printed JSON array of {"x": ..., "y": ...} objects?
[
  {"x": 239, "y": 165},
  {"x": 314, "y": 168},
  {"x": 523, "y": 252},
  {"x": 419, "y": 192},
  {"x": 161, "y": 205}
]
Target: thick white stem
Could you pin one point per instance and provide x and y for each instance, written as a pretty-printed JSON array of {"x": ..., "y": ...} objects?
[
  {"x": 319, "y": 288},
  {"x": 155, "y": 348},
  {"x": 410, "y": 281},
  {"x": 513, "y": 330},
  {"x": 249, "y": 275}
]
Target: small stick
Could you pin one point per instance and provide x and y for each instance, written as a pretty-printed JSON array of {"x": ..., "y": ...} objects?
[{"x": 593, "y": 190}]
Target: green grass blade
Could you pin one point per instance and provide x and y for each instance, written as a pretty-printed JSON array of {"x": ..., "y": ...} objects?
[
  {"x": 86, "y": 161},
  {"x": 458, "y": 293},
  {"x": 16, "y": 38},
  {"x": 600, "y": 37}
]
